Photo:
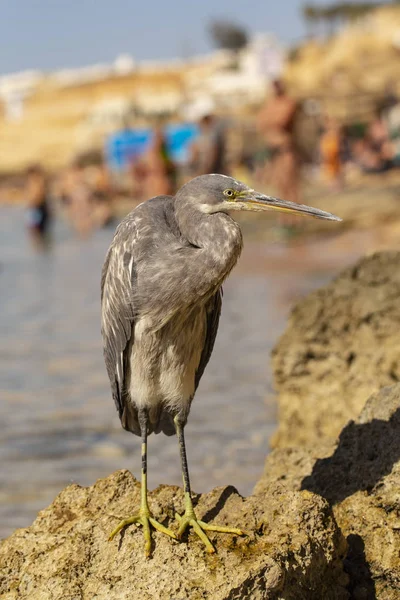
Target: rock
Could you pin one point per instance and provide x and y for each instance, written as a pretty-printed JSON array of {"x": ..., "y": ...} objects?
[
  {"x": 360, "y": 477},
  {"x": 294, "y": 549},
  {"x": 289, "y": 466},
  {"x": 341, "y": 345}
]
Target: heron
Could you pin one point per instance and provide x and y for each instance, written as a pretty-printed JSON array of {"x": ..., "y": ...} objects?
[{"x": 161, "y": 296}]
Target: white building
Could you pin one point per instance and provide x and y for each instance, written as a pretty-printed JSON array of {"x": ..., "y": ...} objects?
[
  {"x": 14, "y": 89},
  {"x": 237, "y": 80}
]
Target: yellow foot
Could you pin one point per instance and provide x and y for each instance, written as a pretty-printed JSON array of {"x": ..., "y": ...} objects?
[
  {"x": 190, "y": 520},
  {"x": 146, "y": 520}
]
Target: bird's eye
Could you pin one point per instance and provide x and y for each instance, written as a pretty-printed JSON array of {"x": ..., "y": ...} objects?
[{"x": 229, "y": 193}]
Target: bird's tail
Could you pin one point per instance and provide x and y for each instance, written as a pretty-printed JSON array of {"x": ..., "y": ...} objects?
[
  {"x": 160, "y": 420},
  {"x": 129, "y": 418},
  {"x": 163, "y": 423}
]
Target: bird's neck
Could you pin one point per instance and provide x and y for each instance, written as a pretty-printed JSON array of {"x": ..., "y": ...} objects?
[{"x": 217, "y": 237}]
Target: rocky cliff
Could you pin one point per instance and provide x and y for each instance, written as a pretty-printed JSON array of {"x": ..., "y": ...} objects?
[
  {"x": 342, "y": 343},
  {"x": 293, "y": 549}
]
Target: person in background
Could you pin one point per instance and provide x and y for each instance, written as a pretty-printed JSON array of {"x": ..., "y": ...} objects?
[
  {"x": 38, "y": 209},
  {"x": 374, "y": 153},
  {"x": 77, "y": 200},
  {"x": 331, "y": 153},
  {"x": 379, "y": 140},
  {"x": 155, "y": 172},
  {"x": 208, "y": 151},
  {"x": 161, "y": 171},
  {"x": 276, "y": 122},
  {"x": 101, "y": 189}
]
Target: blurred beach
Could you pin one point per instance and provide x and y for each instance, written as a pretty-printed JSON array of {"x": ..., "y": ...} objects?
[{"x": 316, "y": 121}]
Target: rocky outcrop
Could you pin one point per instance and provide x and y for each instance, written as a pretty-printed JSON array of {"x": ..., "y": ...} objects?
[
  {"x": 324, "y": 521},
  {"x": 342, "y": 344},
  {"x": 360, "y": 477},
  {"x": 293, "y": 550}
]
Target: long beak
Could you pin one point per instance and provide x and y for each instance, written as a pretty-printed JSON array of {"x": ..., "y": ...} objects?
[{"x": 261, "y": 202}]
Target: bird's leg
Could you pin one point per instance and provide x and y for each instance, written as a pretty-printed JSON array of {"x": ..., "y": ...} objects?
[
  {"x": 143, "y": 517},
  {"x": 189, "y": 519}
]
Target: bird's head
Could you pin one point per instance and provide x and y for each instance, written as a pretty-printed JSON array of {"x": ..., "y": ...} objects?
[{"x": 218, "y": 193}]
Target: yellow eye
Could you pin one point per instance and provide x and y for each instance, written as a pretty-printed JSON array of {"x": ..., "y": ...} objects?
[{"x": 229, "y": 193}]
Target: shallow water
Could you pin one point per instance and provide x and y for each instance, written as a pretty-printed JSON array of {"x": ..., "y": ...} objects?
[{"x": 58, "y": 423}]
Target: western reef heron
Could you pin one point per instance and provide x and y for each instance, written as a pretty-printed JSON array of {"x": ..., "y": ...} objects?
[{"x": 161, "y": 301}]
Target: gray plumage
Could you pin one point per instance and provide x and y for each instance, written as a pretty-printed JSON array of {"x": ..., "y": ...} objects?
[
  {"x": 152, "y": 288},
  {"x": 161, "y": 294}
]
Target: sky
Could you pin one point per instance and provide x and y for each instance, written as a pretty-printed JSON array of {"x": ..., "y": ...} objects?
[{"x": 54, "y": 34}]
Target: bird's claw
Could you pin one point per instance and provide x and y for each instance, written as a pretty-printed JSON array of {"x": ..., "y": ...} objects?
[
  {"x": 199, "y": 527},
  {"x": 147, "y": 521}
]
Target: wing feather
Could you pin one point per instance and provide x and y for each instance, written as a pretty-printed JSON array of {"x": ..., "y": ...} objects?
[
  {"x": 213, "y": 314},
  {"x": 118, "y": 280}
]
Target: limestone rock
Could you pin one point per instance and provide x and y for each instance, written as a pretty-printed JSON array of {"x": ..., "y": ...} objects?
[
  {"x": 341, "y": 345},
  {"x": 360, "y": 477},
  {"x": 294, "y": 549}
]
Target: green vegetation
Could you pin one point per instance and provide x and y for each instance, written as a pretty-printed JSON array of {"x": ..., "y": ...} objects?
[{"x": 337, "y": 13}]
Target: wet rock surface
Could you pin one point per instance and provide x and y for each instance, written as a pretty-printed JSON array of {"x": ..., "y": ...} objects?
[
  {"x": 341, "y": 345},
  {"x": 293, "y": 551},
  {"x": 360, "y": 477}
]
